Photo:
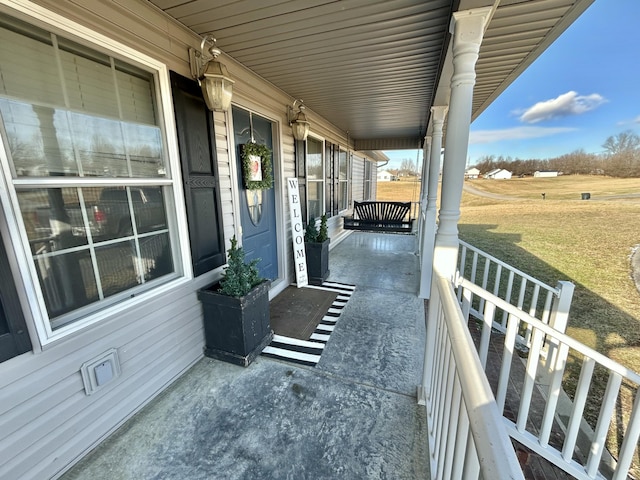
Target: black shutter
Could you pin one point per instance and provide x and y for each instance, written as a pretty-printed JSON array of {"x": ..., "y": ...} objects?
[
  {"x": 14, "y": 338},
  {"x": 196, "y": 142}
]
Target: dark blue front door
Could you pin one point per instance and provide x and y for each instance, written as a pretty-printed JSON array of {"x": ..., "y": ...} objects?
[{"x": 257, "y": 207}]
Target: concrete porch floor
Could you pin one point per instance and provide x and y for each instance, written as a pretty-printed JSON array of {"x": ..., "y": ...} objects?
[{"x": 353, "y": 416}]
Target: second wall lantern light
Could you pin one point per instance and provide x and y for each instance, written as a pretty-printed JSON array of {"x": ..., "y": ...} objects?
[
  {"x": 298, "y": 120},
  {"x": 213, "y": 77}
]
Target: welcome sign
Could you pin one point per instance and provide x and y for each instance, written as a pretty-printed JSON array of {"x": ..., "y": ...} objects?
[{"x": 297, "y": 233}]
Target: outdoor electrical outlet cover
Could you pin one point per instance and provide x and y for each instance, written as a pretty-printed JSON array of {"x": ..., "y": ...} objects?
[
  {"x": 103, "y": 372},
  {"x": 100, "y": 371}
]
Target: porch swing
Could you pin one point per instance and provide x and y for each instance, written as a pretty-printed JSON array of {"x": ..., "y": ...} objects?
[{"x": 382, "y": 216}]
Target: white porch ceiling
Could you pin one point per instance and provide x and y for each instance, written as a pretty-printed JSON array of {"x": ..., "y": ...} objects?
[{"x": 374, "y": 67}]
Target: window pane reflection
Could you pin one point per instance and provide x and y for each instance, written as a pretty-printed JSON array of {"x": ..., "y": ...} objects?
[
  {"x": 114, "y": 207},
  {"x": 343, "y": 165},
  {"x": 65, "y": 225},
  {"x": 155, "y": 256},
  {"x": 39, "y": 140},
  {"x": 53, "y": 219},
  {"x": 45, "y": 141},
  {"x": 117, "y": 267},
  {"x": 314, "y": 159},
  {"x": 315, "y": 199},
  {"x": 67, "y": 281},
  {"x": 79, "y": 118}
]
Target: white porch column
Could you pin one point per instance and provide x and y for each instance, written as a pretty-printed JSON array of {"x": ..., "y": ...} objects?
[
  {"x": 467, "y": 29},
  {"x": 438, "y": 115},
  {"x": 426, "y": 150},
  {"x": 426, "y": 156}
]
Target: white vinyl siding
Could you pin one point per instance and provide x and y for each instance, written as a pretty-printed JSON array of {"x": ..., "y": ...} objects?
[{"x": 357, "y": 178}]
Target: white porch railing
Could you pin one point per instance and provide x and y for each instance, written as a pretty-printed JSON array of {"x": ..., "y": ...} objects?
[
  {"x": 467, "y": 438},
  {"x": 480, "y": 388},
  {"x": 548, "y": 304},
  {"x": 545, "y": 419}
]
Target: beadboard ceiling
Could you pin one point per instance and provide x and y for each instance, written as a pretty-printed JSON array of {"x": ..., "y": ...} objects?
[{"x": 374, "y": 67}]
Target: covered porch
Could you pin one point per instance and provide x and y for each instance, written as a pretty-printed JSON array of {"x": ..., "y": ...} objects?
[
  {"x": 405, "y": 388},
  {"x": 354, "y": 415}
]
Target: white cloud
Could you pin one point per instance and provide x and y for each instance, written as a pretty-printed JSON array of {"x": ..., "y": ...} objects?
[
  {"x": 564, "y": 105},
  {"x": 517, "y": 133},
  {"x": 626, "y": 122}
]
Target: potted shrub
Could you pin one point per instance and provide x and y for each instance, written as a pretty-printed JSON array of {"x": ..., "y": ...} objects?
[
  {"x": 316, "y": 245},
  {"x": 236, "y": 311}
]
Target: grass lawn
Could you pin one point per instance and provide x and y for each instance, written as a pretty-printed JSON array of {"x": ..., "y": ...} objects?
[
  {"x": 568, "y": 187},
  {"x": 588, "y": 242}
]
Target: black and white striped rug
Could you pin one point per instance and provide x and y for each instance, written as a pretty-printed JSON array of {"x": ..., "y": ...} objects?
[{"x": 308, "y": 352}]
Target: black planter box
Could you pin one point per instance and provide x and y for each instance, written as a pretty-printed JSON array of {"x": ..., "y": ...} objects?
[
  {"x": 236, "y": 330},
  {"x": 317, "y": 261}
]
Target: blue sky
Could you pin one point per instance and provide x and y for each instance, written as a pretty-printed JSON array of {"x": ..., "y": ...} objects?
[{"x": 581, "y": 90}]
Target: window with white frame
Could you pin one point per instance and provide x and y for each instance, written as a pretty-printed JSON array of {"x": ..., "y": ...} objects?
[
  {"x": 86, "y": 164},
  {"x": 343, "y": 181},
  {"x": 367, "y": 179},
  {"x": 315, "y": 178}
]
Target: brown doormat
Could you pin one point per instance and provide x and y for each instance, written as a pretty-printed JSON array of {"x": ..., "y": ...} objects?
[{"x": 296, "y": 312}]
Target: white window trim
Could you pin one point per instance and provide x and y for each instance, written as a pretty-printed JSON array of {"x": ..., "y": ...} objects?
[
  {"x": 35, "y": 312},
  {"x": 348, "y": 156}
]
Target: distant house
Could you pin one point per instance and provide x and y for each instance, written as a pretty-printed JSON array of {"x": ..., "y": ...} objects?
[
  {"x": 498, "y": 174},
  {"x": 546, "y": 173},
  {"x": 385, "y": 176},
  {"x": 471, "y": 173}
]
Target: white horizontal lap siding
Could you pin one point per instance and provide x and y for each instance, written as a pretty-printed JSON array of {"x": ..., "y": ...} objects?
[
  {"x": 288, "y": 171},
  {"x": 357, "y": 179},
  {"x": 47, "y": 420}
]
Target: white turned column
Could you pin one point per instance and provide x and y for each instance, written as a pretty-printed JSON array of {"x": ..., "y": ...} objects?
[
  {"x": 426, "y": 149},
  {"x": 426, "y": 155},
  {"x": 467, "y": 28},
  {"x": 438, "y": 115}
]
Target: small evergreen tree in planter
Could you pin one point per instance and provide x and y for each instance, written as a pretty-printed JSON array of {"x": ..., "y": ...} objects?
[
  {"x": 236, "y": 311},
  {"x": 316, "y": 244}
]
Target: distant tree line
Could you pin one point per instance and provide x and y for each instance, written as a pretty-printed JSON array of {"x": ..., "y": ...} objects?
[{"x": 621, "y": 159}]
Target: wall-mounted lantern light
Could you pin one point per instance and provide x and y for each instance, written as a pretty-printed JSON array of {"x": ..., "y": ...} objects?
[
  {"x": 213, "y": 77},
  {"x": 298, "y": 120}
]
